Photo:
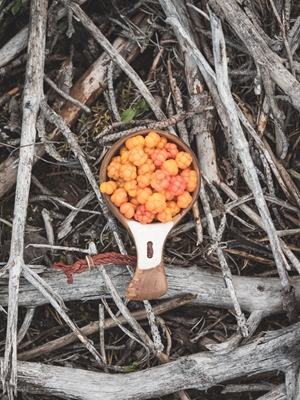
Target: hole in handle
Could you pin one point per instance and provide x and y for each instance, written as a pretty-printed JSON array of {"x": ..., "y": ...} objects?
[{"x": 149, "y": 249}]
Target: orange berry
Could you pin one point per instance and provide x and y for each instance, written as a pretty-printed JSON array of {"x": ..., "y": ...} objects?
[
  {"x": 127, "y": 209},
  {"x": 143, "y": 194},
  {"x": 184, "y": 200},
  {"x": 131, "y": 187},
  {"x": 108, "y": 187},
  {"x": 156, "y": 203},
  {"x": 171, "y": 149},
  {"x": 170, "y": 166},
  {"x": 114, "y": 168},
  {"x": 134, "y": 202},
  {"x": 177, "y": 185},
  {"x": 143, "y": 215},
  {"x": 160, "y": 180},
  {"x": 161, "y": 144},
  {"x": 137, "y": 156},
  {"x": 191, "y": 179},
  {"x": 148, "y": 166},
  {"x": 144, "y": 180},
  {"x": 172, "y": 205},
  {"x": 124, "y": 154},
  {"x": 135, "y": 141},
  {"x": 120, "y": 182},
  {"x": 164, "y": 216},
  {"x": 168, "y": 195},
  {"x": 149, "y": 150},
  {"x": 159, "y": 156},
  {"x": 183, "y": 159},
  {"x": 152, "y": 139},
  {"x": 127, "y": 172},
  {"x": 119, "y": 197}
]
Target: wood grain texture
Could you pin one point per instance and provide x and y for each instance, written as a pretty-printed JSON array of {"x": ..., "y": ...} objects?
[{"x": 148, "y": 284}]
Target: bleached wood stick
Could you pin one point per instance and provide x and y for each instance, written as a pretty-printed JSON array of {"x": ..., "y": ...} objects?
[
  {"x": 242, "y": 148},
  {"x": 253, "y": 294},
  {"x": 19, "y": 42},
  {"x": 116, "y": 57},
  {"x": 88, "y": 87},
  {"x": 276, "y": 350},
  {"x": 33, "y": 92},
  {"x": 259, "y": 50}
]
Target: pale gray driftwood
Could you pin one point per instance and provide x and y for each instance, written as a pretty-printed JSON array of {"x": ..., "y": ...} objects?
[
  {"x": 33, "y": 92},
  {"x": 19, "y": 42},
  {"x": 87, "y": 89},
  {"x": 275, "y": 351},
  {"x": 253, "y": 294},
  {"x": 260, "y": 51}
]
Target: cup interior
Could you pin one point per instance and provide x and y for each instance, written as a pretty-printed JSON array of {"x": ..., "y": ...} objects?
[{"x": 114, "y": 151}]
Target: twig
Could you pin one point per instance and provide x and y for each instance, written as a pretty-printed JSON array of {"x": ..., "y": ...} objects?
[
  {"x": 111, "y": 93},
  {"x": 59, "y": 306},
  {"x": 109, "y": 323},
  {"x": 126, "y": 313},
  {"x": 32, "y": 95},
  {"x": 26, "y": 324},
  {"x": 223, "y": 263},
  {"x": 241, "y": 146},
  {"x": 66, "y": 95},
  {"x": 116, "y": 57},
  {"x": 101, "y": 333},
  {"x": 104, "y": 137}
]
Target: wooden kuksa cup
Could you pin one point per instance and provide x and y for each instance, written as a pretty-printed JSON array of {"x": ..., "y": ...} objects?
[{"x": 149, "y": 281}]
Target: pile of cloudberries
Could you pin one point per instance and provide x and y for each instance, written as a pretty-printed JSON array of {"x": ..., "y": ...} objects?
[{"x": 150, "y": 179}]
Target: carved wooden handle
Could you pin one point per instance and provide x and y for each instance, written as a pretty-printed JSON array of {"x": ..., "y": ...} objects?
[
  {"x": 148, "y": 284},
  {"x": 149, "y": 281}
]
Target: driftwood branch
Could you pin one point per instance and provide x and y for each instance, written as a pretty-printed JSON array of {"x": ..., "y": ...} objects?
[
  {"x": 258, "y": 48},
  {"x": 32, "y": 95},
  {"x": 276, "y": 350},
  {"x": 253, "y": 293}
]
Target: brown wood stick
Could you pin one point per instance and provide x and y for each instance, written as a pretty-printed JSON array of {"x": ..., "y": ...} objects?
[{"x": 109, "y": 323}]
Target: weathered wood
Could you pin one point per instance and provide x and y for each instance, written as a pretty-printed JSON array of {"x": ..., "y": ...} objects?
[
  {"x": 276, "y": 351},
  {"x": 253, "y": 293},
  {"x": 87, "y": 89},
  {"x": 33, "y": 92},
  {"x": 258, "y": 48}
]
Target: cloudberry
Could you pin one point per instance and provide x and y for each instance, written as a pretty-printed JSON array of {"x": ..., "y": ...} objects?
[
  {"x": 159, "y": 156},
  {"x": 144, "y": 180},
  {"x": 170, "y": 166},
  {"x": 190, "y": 177},
  {"x": 165, "y": 216},
  {"x": 127, "y": 172},
  {"x": 108, "y": 187},
  {"x": 177, "y": 185},
  {"x": 131, "y": 187},
  {"x": 152, "y": 139},
  {"x": 171, "y": 149},
  {"x": 119, "y": 197},
  {"x": 183, "y": 159},
  {"x": 184, "y": 200},
  {"x": 156, "y": 203},
  {"x": 172, "y": 205},
  {"x": 143, "y": 194},
  {"x": 148, "y": 166},
  {"x": 161, "y": 144},
  {"x": 143, "y": 215},
  {"x": 160, "y": 180},
  {"x": 114, "y": 168},
  {"x": 127, "y": 209},
  {"x": 137, "y": 156},
  {"x": 135, "y": 141}
]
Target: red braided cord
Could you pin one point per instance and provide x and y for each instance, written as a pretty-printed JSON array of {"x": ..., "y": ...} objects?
[{"x": 81, "y": 265}]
